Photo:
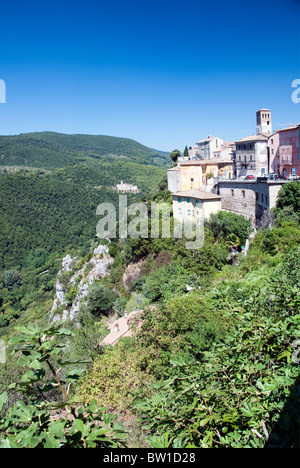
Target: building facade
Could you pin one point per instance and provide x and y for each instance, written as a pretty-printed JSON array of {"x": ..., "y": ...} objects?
[
  {"x": 289, "y": 151},
  {"x": 252, "y": 156},
  {"x": 204, "y": 149},
  {"x": 198, "y": 174},
  {"x": 249, "y": 198},
  {"x": 193, "y": 205}
]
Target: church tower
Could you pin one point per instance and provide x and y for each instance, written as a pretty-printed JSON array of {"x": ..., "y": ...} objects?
[{"x": 263, "y": 121}]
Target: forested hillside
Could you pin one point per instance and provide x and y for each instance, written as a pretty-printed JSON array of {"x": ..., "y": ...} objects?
[
  {"x": 50, "y": 187},
  {"x": 51, "y": 150}
]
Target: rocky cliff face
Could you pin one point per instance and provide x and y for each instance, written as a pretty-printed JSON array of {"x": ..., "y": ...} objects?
[{"x": 96, "y": 268}]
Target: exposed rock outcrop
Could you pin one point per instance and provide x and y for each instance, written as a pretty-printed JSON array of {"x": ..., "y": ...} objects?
[{"x": 96, "y": 268}]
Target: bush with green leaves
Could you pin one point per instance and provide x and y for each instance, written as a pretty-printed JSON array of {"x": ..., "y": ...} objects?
[
  {"x": 100, "y": 299},
  {"x": 289, "y": 197},
  {"x": 39, "y": 422},
  {"x": 11, "y": 278},
  {"x": 225, "y": 223},
  {"x": 243, "y": 391}
]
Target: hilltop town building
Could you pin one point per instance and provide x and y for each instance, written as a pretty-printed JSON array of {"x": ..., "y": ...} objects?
[
  {"x": 207, "y": 148},
  {"x": 250, "y": 198},
  {"x": 191, "y": 205},
  {"x": 288, "y": 151},
  {"x": 252, "y": 157},
  {"x": 199, "y": 174}
]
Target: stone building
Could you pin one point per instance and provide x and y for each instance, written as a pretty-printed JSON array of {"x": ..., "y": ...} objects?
[
  {"x": 174, "y": 179},
  {"x": 263, "y": 122},
  {"x": 252, "y": 155},
  {"x": 249, "y": 198}
]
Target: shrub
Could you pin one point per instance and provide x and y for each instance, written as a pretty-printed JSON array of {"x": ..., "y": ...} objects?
[{"x": 100, "y": 299}]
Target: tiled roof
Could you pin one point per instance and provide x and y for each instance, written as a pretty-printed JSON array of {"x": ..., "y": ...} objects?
[
  {"x": 199, "y": 194},
  {"x": 259, "y": 137},
  {"x": 120, "y": 329},
  {"x": 203, "y": 162},
  {"x": 288, "y": 128}
]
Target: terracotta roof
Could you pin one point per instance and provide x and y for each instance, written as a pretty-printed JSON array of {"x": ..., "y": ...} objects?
[
  {"x": 191, "y": 163},
  {"x": 259, "y": 137},
  {"x": 197, "y": 194},
  {"x": 288, "y": 128},
  {"x": 203, "y": 162},
  {"x": 216, "y": 161},
  {"x": 119, "y": 329}
]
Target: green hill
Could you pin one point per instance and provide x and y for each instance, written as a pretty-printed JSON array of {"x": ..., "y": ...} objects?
[{"x": 49, "y": 150}]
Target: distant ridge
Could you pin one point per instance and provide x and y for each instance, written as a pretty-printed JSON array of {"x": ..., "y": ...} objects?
[{"x": 51, "y": 150}]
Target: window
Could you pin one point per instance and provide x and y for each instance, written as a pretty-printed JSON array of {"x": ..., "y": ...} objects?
[
  {"x": 266, "y": 199},
  {"x": 179, "y": 199},
  {"x": 179, "y": 210},
  {"x": 282, "y": 145},
  {"x": 288, "y": 158},
  {"x": 271, "y": 141},
  {"x": 262, "y": 197},
  {"x": 297, "y": 144},
  {"x": 232, "y": 192},
  {"x": 189, "y": 212},
  {"x": 298, "y": 157},
  {"x": 243, "y": 194},
  {"x": 192, "y": 180},
  {"x": 257, "y": 196},
  {"x": 290, "y": 133},
  {"x": 282, "y": 134},
  {"x": 288, "y": 145},
  {"x": 198, "y": 214}
]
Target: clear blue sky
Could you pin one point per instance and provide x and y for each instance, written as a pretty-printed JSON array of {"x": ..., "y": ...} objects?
[{"x": 165, "y": 73}]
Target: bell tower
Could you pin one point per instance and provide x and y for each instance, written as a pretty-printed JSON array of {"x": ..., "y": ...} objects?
[{"x": 263, "y": 121}]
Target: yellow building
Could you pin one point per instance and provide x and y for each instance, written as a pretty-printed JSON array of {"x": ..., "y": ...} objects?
[
  {"x": 216, "y": 168},
  {"x": 191, "y": 175},
  {"x": 195, "y": 174},
  {"x": 192, "y": 205}
]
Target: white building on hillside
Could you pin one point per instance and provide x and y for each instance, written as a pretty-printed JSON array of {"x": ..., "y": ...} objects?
[{"x": 123, "y": 187}]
